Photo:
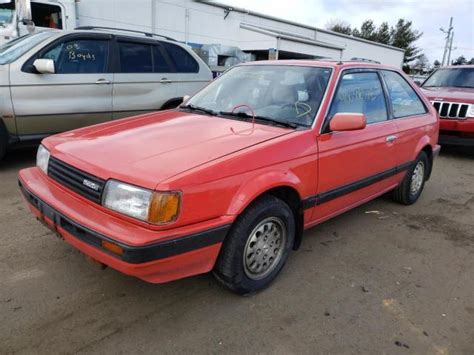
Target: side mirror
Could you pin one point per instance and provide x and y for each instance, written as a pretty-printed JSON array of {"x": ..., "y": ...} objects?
[
  {"x": 417, "y": 82},
  {"x": 44, "y": 66},
  {"x": 30, "y": 25},
  {"x": 347, "y": 122}
]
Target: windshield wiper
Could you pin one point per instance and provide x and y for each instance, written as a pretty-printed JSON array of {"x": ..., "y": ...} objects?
[
  {"x": 260, "y": 118},
  {"x": 201, "y": 109}
]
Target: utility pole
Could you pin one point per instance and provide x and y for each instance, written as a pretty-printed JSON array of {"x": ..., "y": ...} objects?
[
  {"x": 448, "y": 39},
  {"x": 450, "y": 49}
]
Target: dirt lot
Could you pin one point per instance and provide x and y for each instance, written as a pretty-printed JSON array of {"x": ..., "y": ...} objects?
[{"x": 401, "y": 281}]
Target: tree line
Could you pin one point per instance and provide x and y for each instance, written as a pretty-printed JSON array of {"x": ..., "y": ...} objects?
[{"x": 402, "y": 35}]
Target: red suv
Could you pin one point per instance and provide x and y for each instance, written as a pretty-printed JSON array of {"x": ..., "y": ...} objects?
[
  {"x": 451, "y": 91},
  {"x": 230, "y": 180}
]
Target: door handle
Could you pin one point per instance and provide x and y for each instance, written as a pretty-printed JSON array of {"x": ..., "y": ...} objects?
[
  {"x": 165, "y": 81},
  {"x": 102, "y": 82},
  {"x": 391, "y": 139}
]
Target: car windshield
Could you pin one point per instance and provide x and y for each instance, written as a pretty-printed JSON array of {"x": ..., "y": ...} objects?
[
  {"x": 7, "y": 10},
  {"x": 14, "y": 49},
  {"x": 451, "y": 77},
  {"x": 274, "y": 94}
]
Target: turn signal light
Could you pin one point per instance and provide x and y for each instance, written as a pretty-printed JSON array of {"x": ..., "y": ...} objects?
[
  {"x": 114, "y": 248},
  {"x": 164, "y": 207}
]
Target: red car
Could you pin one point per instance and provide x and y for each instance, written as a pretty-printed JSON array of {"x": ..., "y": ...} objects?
[
  {"x": 451, "y": 91},
  {"x": 230, "y": 180}
]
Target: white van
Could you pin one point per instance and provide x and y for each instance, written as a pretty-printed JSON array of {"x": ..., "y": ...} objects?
[{"x": 55, "y": 81}]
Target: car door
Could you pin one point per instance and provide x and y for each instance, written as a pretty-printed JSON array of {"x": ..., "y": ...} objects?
[
  {"x": 410, "y": 116},
  {"x": 144, "y": 78},
  {"x": 77, "y": 94},
  {"x": 355, "y": 165}
]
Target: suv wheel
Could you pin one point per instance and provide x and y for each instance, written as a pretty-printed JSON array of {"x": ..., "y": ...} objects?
[
  {"x": 257, "y": 246},
  {"x": 3, "y": 141},
  {"x": 412, "y": 185}
]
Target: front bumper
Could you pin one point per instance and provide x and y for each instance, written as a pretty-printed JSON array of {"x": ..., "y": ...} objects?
[
  {"x": 161, "y": 261},
  {"x": 456, "y": 132}
]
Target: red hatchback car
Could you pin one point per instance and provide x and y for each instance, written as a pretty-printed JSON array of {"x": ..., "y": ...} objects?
[{"x": 230, "y": 180}]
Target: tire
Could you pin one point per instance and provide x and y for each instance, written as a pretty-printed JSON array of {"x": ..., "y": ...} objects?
[
  {"x": 408, "y": 192},
  {"x": 256, "y": 232},
  {"x": 171, "y": 104},
  {"x": 3, "y": 141}
]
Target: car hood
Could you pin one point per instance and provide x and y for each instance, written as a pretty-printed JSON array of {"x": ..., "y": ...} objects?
[
  {"x": 148, "y": 149},
  {"x": 450, "y": 93}
]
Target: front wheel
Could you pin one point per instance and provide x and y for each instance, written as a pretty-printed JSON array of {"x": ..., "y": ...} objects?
[
  {"x": 3, "y": 141},
  {"x": 257, "y": 246},
  {"x": 410, "y": 189}
]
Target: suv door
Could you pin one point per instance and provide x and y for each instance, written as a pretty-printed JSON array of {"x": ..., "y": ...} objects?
[
  {"x": 78, "y": 94},
  {"x": 355, "y": 165},
  {"x": 144, "y": 78},
  {"x": 190, "y": 76},
  {"x": 410, "y": 116}
]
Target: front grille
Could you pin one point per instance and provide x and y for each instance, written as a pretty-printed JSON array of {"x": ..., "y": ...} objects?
[
  {"x": 78, "y": 181},
  {"x": 451, "y": 109}
]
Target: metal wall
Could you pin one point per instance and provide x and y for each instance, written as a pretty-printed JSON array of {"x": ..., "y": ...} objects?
[{"x": 200, "y": 23}]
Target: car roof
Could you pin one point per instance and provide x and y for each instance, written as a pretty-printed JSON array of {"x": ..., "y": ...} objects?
[
  {"x": 118, "y": 32},
  {"x": 324, "y": 62},
  {"x": 457, "y": 66}
]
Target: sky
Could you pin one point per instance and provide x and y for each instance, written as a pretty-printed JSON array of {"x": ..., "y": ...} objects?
[{"x": 427, "y": 17}]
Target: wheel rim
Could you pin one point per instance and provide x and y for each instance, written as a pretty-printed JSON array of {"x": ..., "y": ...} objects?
[
  {"x": 264, "y": 248},
  {"x": 417, "y": 178}
]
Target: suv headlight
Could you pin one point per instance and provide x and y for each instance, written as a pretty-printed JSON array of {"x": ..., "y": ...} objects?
[
  {"x": 470, "y": 112},
  {"x": 143, "y": 204},
  {"x": 42, "y": 159}
]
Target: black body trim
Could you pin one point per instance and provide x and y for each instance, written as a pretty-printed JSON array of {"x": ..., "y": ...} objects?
[
  {"x": 131, "y": 254},
  {"x": 353, "y": 186},
  {"x": 445, "y": 139}
]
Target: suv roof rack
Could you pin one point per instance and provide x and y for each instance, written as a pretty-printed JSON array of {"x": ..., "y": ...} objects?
[{"x": 147, "y": 34}]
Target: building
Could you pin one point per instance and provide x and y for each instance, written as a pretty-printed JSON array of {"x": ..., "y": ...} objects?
[{"x": 212, "y": 28}]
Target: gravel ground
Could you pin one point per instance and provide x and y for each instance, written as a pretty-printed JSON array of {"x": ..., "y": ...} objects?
[{"x": 396, "y": 281}]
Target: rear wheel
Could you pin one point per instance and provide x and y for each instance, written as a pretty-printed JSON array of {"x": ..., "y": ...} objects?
[
  {"x": 257, "y": 246},
  {"x": 410, "y": 189}
]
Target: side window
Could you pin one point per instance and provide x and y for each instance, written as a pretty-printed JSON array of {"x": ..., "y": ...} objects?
[
  {"x": 160, "y": 64},
  {"x": 82, "y": 56},
  {"x": 44, "y": 15},
  {"x": 360, "y": 93},
  {"x": 135, "y": 57},
  {"x": 405, "y": 101},
  {"x": 182, "y": 60}
]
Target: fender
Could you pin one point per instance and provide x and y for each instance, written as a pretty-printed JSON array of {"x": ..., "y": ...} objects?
[
  {"x": 257, "y": 185},
  {"x": 422, "y": 143}
]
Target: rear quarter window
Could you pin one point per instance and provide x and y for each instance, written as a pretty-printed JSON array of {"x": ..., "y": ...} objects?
[
  {"x": 183, "y": 61},
  {"x": 405, "y": 101}
]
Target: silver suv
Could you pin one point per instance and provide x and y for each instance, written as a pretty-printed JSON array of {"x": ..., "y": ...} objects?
[{"x": 56, "y": 81}]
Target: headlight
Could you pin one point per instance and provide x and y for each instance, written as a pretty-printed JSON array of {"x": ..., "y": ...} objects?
[
  {"x": 470, "y": 112},
  {"x": 143, "y": 204},
  {"x": 42, "y": 158}
]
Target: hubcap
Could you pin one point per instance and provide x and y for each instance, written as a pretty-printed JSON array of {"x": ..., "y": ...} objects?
[
  {"x": 264, "y": 248},
  {"x": 417, "y": 178}
]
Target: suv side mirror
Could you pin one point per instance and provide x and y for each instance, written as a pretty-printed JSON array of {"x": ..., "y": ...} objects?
[
  {"x": 347, "y": 122},
  {"x": 44, "y": 66}
]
